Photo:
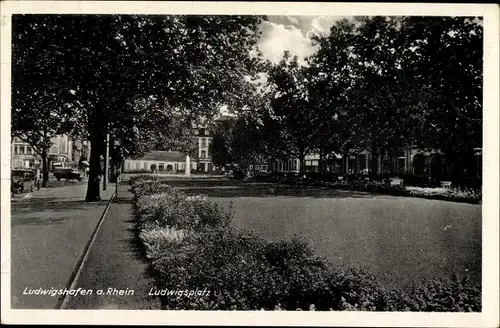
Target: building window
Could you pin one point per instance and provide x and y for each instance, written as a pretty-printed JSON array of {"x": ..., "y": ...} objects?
[
  {"x": 28, "y": 150},
  {"x": 161, "y": 167},
  {"x": 16, "y": 150},
  {"x": 203, "y": 142},
  {"x": 203, "y": 154}
]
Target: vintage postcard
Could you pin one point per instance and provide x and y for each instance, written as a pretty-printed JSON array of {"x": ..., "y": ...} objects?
[{"x": 250, "y": 163}]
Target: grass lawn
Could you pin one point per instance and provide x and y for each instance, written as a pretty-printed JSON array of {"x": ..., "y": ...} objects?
[{"x": 402, "y": 238}]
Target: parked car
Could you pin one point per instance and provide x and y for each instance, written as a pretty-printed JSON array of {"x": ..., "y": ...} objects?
[
  {"x": 57, "y": 165},
  {"x": 21, "y": 180},
  {"x": 67, "y": 174}
]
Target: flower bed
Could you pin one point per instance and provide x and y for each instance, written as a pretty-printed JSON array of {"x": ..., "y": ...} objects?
[
  {"x": 473, "y": 196},
  {"x": 191, "y": 246},
  {"x": 453, "y": 194}
]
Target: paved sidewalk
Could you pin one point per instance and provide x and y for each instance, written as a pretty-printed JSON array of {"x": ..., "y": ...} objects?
[
  {"x": 49, "y": 232},
  {"x": 115, "y": 261}
]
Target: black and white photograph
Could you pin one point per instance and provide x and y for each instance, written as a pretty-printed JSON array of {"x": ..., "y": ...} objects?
[{"x": 275, "y": 163}]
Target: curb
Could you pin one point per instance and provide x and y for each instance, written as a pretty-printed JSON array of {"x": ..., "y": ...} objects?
[{"x": 71, "y": 284}]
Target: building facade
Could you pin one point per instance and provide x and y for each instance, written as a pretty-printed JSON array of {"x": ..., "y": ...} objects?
[
  {"x": 412, "y": 160},
  {"x": 203, "y": 136},
  {"x": 22, "y": 154},
  {"x": 64, "y": 150},
  {"x": 174, "y": 162},
  {"x": 159, "y": 162}
]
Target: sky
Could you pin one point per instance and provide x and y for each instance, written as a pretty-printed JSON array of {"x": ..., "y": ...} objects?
[{"x": 292, "y": 33}]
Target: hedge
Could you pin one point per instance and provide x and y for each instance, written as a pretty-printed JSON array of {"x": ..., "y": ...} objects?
[{"x": 192, "y": 246}]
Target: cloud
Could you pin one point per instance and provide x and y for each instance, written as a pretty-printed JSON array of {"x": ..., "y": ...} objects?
[
  {"x": 322, "y": 24},
  {"x": 278, "y": 38},
  {"x": 293, "y": 34}
]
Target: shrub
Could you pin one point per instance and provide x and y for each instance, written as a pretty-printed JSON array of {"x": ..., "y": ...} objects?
[
  {"x": 157, "y": 240},
  {"x": 192, "y": 247},
  {"x": 142, "y": 178},
  {"x": 150, "y": 187},
  {"x": 450, "y": 194},
  {"x": 415, "y": 180},
  {"x": 245, "y": 272},
  {"x": 355, "y": 177},
  {"x": 436, "y": 295},
  {"x": 172, "y": 208},
  {"x": 464, "y": 183},
  {"x": 241, "y": 271},
  {"x": 150, "y": 208},
  {"x": 262, "y": 176},
  {"x": 381, "y": 186},
  {"x": 222, "y": 261}
]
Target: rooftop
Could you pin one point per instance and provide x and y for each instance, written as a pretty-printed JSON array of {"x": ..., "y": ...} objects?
[{"x": 166, "y": 156}]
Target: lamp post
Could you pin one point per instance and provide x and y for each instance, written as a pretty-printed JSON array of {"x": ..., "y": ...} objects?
[
  {"x": 106, "y": 165},
  {"x": 118, "y": 164}
]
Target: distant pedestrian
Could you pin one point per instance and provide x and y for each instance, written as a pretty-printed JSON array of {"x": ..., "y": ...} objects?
[{"x": 87, "y": 172}]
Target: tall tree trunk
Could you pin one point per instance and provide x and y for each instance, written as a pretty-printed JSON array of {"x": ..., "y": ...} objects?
[
  {"x": 356, "y": 161},
  {"x": 373, "y": 164},
  {"x": 321, "y": 163},
  {"x": 45, "y": 169},
  {"x": 93, "y": 187},
  {"x": 302, "y": 159}
]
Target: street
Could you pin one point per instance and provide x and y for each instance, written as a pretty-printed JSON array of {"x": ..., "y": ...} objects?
[{"x": 49, "y": 232}]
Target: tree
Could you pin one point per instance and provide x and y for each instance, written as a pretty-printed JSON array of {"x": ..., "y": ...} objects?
[
  {"x": 445, "y": 63},
  {"x": 193, "y": 63},
  {"x": 399, "y": 81},
  {"x": 360, "y": 75},
  {"x": 332, "y": 78},
  {"x": 247, "y": 142},
  {"x": 40, "y": 108},
  {"x": 220, "y": 146},
  {"x": 292, "y": 114}
]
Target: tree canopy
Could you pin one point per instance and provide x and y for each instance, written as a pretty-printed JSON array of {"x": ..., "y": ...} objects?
[
  {"x": 375, "y": 83},
  {"x": 191, "y": 64},
  {"x": 380, "y": 84}
]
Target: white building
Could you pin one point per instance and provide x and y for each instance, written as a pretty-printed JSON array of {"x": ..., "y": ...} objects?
[
  {"x": 203, "y": 137},
  {"x": 159, "y": 161}
]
